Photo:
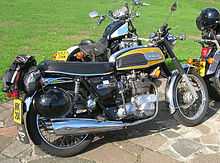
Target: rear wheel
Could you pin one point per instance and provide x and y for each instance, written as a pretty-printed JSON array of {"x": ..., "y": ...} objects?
[
  {"x": 62, "y": 146},
  {"x": 190, "y": 111}
]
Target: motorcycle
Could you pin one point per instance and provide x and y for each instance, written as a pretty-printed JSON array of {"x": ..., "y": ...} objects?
[
  {"x": 119, "y": 34},
  {"x": 208, "y": 64},
  {"x": 60, "y": 106}
]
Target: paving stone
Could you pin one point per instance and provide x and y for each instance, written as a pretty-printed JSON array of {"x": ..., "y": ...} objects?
[
  {"x": 15, "y": 149},
  {"x": 1, "y": 124},
  {"x": 129, "y": 147},
  {"x": 171, "y": 153},
  {"x": 170, "y": 134},
  {"x": 203, "y": 129},
  {"x": 26, "y": 155},
  {"x": 182, "y": 130},
  {"x": 153, "y": 142},
  {"x": 109, "y": 153},
  {"x": 4, "y": 142},
  {"x": 5, "y": 116},
  {"x": 9, "y": 161},
  {"x": 211, "y": 158},
  {"x": 192, "y": 134},
  {"x": 37, "y": 151},
  {"x": 8, "y": 105},
  {"x": 2, "y": 157},
  {"x": 214, "y": 148},
  {"x": 149, "y": 156},
  {"x": 186, "y": 147},
  {"x": 61, "y": 160},
  {"x": 8, "y": 132},
  {"x": 211, "y": 139},
  {"x": 2, "y": 109}
]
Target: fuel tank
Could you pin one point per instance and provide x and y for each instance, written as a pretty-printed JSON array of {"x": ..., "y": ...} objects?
[{"x": 139, "y": 58}]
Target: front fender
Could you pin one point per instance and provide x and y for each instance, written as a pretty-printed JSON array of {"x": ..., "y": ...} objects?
[
  {"x": 170, "y": 85},
  {"x": 212, "y": 68}
]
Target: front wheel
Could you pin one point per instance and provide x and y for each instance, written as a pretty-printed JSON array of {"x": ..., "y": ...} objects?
[
  {"x": 190, "y": 111},
  {"x": 61, "y": 146}
]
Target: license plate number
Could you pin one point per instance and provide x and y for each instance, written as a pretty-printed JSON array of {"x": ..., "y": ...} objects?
[
  {"x": 18, "y": 111},
  {"x": 61, "y": 55}
]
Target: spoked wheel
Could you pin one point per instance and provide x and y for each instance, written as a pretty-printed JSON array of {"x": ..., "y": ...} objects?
[
  {"x": 190, "y": 110},
  {"x": 62, "y": 146}
]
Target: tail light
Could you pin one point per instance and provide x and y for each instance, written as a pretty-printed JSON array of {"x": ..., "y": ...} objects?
[
  {"x": 13, "y": 94},
  {"x": 205, "y": 52}
]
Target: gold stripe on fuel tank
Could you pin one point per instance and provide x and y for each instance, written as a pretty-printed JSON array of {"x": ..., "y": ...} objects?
[{"x": 143, "y": 51}]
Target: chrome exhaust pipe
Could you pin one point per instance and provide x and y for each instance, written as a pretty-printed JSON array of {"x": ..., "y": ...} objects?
[
  {"x": 84, "y": 126},
  {"x": 79, "y": 126}
]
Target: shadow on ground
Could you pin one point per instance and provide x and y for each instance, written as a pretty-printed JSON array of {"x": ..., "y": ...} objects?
[{"x": 162, "y": 122}]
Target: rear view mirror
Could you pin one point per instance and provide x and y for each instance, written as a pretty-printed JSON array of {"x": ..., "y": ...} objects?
[
  {"x": 182, "y": 37},
  {"x": 93, "y": 14},
  {"x": 137, "y": 2}
]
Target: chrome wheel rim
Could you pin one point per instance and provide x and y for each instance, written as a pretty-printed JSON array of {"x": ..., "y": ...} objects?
[
  {"x": 58, "y": 142},
  {"x": 189, "y": 107}
]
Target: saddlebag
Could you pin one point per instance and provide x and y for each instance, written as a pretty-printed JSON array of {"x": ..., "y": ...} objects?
[{"x": 13, "y": 78}]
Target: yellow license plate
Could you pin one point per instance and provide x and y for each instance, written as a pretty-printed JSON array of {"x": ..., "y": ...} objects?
[
  {"x": 18, "y": 111},
  {"x": 61, "y": 55},
  {"x": 202, "y": 68}
]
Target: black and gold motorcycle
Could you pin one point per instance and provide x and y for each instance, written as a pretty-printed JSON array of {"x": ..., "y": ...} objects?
[
  {"x": 120, "y": 33},
  {"x": 60, "y": 106}
]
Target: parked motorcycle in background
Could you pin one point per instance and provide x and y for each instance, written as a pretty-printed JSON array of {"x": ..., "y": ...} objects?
[
  {"x": 60, "y": 106},
  {"x": 208, "y": 65},
  {"x": 119, "y": 34}
]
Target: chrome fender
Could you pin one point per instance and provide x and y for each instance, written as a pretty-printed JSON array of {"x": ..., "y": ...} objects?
[
  {"x": 71, "y": 49},
  {"x": 170, "y": 85}
]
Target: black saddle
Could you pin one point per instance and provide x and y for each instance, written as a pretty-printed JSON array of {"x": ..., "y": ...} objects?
[
  {"x": 96, "y": 50},
  {"x": 77, "y": 68}
]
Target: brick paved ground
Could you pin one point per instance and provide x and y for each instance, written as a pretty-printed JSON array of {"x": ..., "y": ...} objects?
[{"x": 161, "y": 140}]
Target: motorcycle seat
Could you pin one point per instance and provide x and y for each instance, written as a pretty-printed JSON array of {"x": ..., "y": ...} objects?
[
  {"x": 76, "y": 68},
  {"x": 94, "y": 48}
]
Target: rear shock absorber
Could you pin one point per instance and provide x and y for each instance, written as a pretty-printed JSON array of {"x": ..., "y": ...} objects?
[{"x": 77, "y": 87}]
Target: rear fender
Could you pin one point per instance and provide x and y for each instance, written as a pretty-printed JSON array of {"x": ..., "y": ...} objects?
[
  {"x": 23, "y": 133},
  {"x": 170, "y": 85},
  {"x": 72, "y": 49}
]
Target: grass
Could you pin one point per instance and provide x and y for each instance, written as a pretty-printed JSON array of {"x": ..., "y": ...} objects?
[{"x": 42, "y": 27}]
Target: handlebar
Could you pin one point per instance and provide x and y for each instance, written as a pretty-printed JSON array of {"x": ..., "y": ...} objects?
[
  {"x": 122, "y": 13},
  {"x": 206, "y": 41}
]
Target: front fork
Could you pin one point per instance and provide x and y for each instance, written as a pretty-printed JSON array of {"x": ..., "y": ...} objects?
[{"x": 180, "y": 69}]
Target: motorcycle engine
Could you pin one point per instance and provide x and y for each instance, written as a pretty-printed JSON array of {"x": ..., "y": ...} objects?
[
  {"x": 137, "y": 98},
  {"x": 127, "y": 43}
]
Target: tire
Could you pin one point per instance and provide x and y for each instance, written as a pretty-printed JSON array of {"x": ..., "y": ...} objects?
[
  {"x": 201, "y": 113},
  {"x": 40, "y": 142},
  {"x": 213, "y": 84}
]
